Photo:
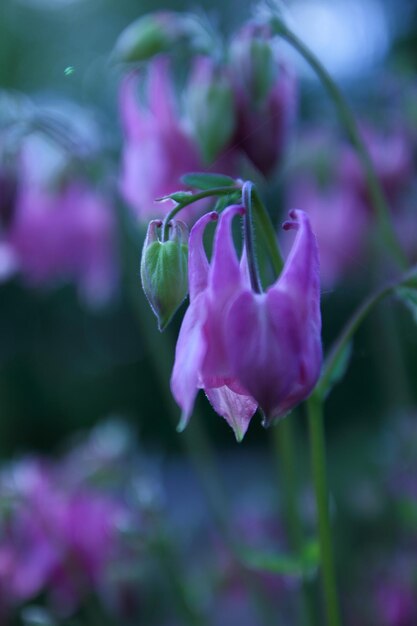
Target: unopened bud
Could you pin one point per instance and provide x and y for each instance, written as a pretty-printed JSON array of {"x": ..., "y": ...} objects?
[
  {"x": 149, "y": 35},
  {"x": 252, "y": 58},
  {"x": 164, "y": 269},
  {"x": 210, "y": 106}
]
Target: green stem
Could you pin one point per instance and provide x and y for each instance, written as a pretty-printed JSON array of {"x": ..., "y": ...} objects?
[
  {"x": 268, "y": 232},
  {"x": 353, "y": 324},
  {"x": 348, "y": 120},
  {"x": 283, "y": 436},
  {"x": 207, "y": 193},
  {"x": 194, "y": 438},
  {"x": 255, "y": 280},
  {"x": 318, "y": 461}
]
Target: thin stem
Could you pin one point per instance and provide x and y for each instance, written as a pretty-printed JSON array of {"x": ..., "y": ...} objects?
[
  {"x": 268, "y": 232},
  {"x": 249, "y": 238},
  {"x": 194, "y": 439},
  {"x": 318, "y": 462},
  {"x": 284, "y": 443},
  {"x": 352, "y": 325},
  {"x": 348, "y": 120},
  {"x": 207, "y": 193}
]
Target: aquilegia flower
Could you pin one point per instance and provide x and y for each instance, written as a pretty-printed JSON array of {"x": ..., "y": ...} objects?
[{"x": 244, "y": 348}]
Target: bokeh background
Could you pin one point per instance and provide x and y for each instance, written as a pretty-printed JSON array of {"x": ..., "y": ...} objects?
[{"x": 67, "y": 364}]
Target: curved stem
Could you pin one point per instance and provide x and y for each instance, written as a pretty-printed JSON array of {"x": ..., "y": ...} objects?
[
  {"x": 348, "y": 120},
  {"x": 354, "y": 322},
  {"x": 207, "y": 193},
  {"x": 318, "y": 463}
]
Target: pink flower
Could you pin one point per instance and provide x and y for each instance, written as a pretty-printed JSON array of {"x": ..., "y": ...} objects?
[
  {"x": 200, "y": 359},
  {"x": 273, "y": 339},
  {"x": 339, "y": 220},
  {"x": 247, "y": 349},
  {"x": 392, "y": 158},
  {"x": 266, "y": 99},
  {"x": 157, "y": 150},
  {"x": 64, "y": 235}
]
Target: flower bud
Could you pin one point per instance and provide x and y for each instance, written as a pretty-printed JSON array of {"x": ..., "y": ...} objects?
[
  {"x": 210, "y": 105},
  {"x": 149, "y": 35},
  {"x": 252, "y": 57},
  {"x": 164, "y": 270}
]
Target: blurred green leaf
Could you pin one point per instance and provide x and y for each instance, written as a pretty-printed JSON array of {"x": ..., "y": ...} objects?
[
  {"x": 284, "y": 564},
  {"x": 176, "y": 196},
  {"x": 338, "y": 371},
  {"x": 203, "y": 181},
  {"x": 408, "y": 295}
]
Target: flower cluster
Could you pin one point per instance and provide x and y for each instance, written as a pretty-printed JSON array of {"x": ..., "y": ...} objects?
[
  {"x": 230, "y": 120},
  {"x": 247, "y": 349}
]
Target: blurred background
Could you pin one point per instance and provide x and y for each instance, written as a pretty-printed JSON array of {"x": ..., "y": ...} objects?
[{"x": 85, "y": 408}]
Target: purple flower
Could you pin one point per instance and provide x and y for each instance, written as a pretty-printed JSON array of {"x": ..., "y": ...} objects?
[
  {"x": 266, "y": 99},
  {"x": 64, "y": 235},
  {"x": 200, "y": 359},
  {"x": 392, "y": 158},
  {"x": 273, "y": 339},
  {"x": 339, "y": 220},
  {"x": 157, "y": 150},
  {"x": 245, "y": 348}
]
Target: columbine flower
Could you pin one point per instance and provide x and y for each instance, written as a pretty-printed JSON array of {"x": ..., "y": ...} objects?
[
  {"x": 340, "y": 222},
  {"x": 157, "y": 150},
  {"x": 243, "y": 348},
  {"x": 266, "y": 95},
  {"x": 64, "y": 235},
  {"x": 201, "y": 360}
]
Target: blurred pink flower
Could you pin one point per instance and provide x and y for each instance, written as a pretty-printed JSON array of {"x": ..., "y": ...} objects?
[
  {"x": 157, "y": 150},
  {"x": 339, "y": 220},
  {"x": 55, "y": 539},
  {"x": 64, "y": 235},
  {"x": 392, "y": 156}
]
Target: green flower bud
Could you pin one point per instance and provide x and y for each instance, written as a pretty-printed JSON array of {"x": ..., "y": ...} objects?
[
  {"x": 149, "y": 35},
  {"x": 252, "y": 57},
  {"x": 210, "y": 108},
  {"x": 164, "y": 270}
]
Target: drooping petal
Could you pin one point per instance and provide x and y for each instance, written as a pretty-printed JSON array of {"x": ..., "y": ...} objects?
[
  {"x": 273, "y": 340},
  {"x": 160, "y": 91},
  {"x": 135, "y": 120},
  {"x": 225, "y": 281},
  {"x": 262, "y": 346},
  {"x": 198, "y": 265},
  {"x": 237, "y": 409},
  {"x": 189, "y": 353}
]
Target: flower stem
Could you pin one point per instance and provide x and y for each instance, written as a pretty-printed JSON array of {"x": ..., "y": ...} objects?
[
  {"x": 318, "y": 462},
  {"x": 255, "y": 280},
  {"x": 207, "y": 193},
  {"x": 348, "y": 120},
  {"x": 354, "y": 322}
]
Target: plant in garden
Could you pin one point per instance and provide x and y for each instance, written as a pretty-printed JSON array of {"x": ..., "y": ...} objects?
[
  {"x": 247, "y": 348},
  {"x": 233, "y": 115}
]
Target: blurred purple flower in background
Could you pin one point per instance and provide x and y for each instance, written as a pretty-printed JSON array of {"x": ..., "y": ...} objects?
[
  {"x": 266, "y": 98},
  {"x": 339, "y": 221},
  {"x": 55, "y": 226}
]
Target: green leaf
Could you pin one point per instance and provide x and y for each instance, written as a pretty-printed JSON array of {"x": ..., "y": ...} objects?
[
  {"x": 408, "y": 295},
  {"x": 338, "y": 371},
  {"x": 284, "y": 564},
  {"x": 204, "y": 181},
  {"x": 176, "y": 196}
]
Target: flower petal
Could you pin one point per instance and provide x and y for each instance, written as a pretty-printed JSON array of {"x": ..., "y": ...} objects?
[
  {"x": 189, "y": 353},
  {"x": 237, "y": 409}
]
